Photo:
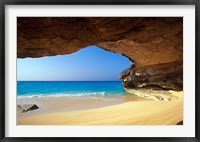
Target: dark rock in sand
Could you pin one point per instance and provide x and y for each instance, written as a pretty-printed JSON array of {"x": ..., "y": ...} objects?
[
  {"x": 180, "y": 123},
  {"x": 26, "y": 107}
]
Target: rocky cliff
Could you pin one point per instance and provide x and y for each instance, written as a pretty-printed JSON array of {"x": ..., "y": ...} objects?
[{"x": 154, "y": 44}]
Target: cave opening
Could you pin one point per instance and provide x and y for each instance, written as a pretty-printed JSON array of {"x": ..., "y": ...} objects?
[
  {"x": 87, "y": 64},
  {"x": 96, "y": 70}
]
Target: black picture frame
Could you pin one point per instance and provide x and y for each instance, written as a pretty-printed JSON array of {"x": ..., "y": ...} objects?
[{"x": 3, "y": 3}]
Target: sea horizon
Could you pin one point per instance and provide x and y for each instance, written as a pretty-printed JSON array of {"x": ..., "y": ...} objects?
[
  {"x": 74, "y": 80},
  {"x": 69, "y": 88}
]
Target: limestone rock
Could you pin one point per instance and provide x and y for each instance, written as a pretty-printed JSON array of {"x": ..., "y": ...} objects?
[{"x": 157, "y": 77}]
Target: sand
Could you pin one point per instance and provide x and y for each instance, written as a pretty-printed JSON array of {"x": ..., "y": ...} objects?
[{"x": 102, "y": 111}]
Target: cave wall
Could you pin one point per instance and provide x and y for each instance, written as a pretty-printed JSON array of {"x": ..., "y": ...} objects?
[{"x": 153, "y": 43}]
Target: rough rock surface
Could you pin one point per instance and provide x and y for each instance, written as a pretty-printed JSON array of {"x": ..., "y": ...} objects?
[
  {"x": 154, "y": 44},
  {"x": 168, "y": 76},
  {"x": 26, "y": 107}
]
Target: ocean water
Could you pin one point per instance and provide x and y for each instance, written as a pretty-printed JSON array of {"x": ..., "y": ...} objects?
[{"x": 68, "y": 88}]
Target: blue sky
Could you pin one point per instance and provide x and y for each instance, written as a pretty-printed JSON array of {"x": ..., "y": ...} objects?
[{"x": 88, "y": 64}]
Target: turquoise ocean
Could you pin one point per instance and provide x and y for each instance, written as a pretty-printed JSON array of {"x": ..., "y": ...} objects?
[{"x": 31, "y": 89}]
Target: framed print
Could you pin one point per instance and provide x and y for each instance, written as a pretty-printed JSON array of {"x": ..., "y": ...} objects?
[{"x": 104, "y": 70}]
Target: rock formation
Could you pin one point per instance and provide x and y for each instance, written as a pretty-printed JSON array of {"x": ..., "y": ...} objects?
[
  {"x": 154, "y": 44},
  {"x": 26, "y": 107},
  {"x": 168, "y": 76}
]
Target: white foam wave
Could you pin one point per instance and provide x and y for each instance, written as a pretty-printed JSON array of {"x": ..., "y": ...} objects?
[{"x": 63, "y": 95}]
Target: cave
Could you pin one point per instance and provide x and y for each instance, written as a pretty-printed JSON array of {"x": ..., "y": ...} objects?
[{"x": 154, "y": 44}]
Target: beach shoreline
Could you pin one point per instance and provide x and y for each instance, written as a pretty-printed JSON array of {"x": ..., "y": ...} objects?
[{"x": 120, "y": 110}]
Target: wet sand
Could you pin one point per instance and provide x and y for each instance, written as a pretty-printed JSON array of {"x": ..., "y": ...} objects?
[{"x": 126, "y": 110}]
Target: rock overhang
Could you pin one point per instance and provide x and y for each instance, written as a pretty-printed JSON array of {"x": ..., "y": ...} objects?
[{"x": 152, "y": 43}]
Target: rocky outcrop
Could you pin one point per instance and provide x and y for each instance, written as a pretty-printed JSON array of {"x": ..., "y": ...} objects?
[
  {"x": 26, "y": 107},
  {"x": 154, "y": 44},
  {"x": 167, "y": 76}
]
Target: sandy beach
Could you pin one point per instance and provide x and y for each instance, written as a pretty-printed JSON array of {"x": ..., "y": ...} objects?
[
  {"x": 100, "y": 70},
  {"x": 120, "y": 110}
]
